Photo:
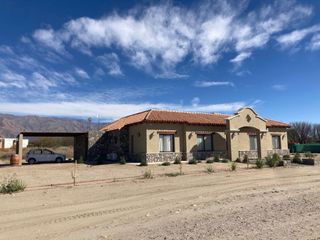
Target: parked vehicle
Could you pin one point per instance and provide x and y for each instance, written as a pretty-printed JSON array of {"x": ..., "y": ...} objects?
[{"x": 44, "y": 155}]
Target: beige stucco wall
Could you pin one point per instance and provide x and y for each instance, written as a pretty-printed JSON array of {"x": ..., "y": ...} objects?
[
  {"x": 240, "y": 125},
  {"x": 140, "y": 140}
]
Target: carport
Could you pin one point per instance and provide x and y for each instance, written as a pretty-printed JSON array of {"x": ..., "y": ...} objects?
[{"x": 80, "y": 145}]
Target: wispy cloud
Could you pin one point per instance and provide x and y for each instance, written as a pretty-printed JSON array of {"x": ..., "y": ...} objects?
[
  {"x": 205, "y": 84},
  {"x": 81, "y": 73},
  {"x": 108, "y": 111},
  {"x": 111, "y": 63},
  {"x": 279, "y": 87},
  {"x": 159, "y": 37}
]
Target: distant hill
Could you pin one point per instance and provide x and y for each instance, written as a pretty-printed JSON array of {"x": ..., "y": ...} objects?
[{"x": 11, "y": 125}]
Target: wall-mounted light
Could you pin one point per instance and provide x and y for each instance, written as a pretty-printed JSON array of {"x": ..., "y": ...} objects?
[{"x": 190, "y": 135}]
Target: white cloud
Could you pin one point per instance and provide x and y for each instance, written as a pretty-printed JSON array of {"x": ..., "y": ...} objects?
[
  {"x": 111, "y": 63},
  {"x": 108, "y": 111},
  {"x": 240, "y": 58},
  {"x": 81, "y": 73},
  {"x": 296, "y": 36},
  {"x": 195, "y": 101},
  {"x": 205, "y": 84},
  {"x": 314, "y": 43},
  {"x": 158, "y": 38},
  {"x": 279, "y": 87},
  {"x": 50, "y": 38}
]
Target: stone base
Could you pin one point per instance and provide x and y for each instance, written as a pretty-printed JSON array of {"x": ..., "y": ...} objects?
[{"x": 163, "y": 157}]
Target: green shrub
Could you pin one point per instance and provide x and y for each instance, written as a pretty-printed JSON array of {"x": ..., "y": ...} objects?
[
  {"x": 286, "y": 157},
  {"x": 216, "y": 159},
  {"x": 225, "y": 160},
  {"x": 143, "y": 162},
  {"x": 122, "y": 160},
  {"x": 273, "y": 161},
  {"x": 209, "y": 169},
  {"x": 175, "y": 174},
  {"x": 245, "y": 159},
  {"x": 209, "y": 161},
  {"x": 233, "y": 166},
  {"x": 148, "y": 174},
  {"x": 11, "y": 185},
  {"x": 177, "y": 160},
  {"x": 297, "y": 158},
  {"x": 165, "y": 164},
  {"x": 259, "y": 163},
  {"x": 192, "y": 161},
  {"x": 309, "y": 155}
]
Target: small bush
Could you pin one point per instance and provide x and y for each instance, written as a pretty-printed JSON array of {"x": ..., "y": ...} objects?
[
  {"x": 216, "y": 159},
  {"x": 238, "y": 160},
  {"x": 225, "y": 160},
  {"x": 122, "y": 160},
  {"x": 199, "y": 161},
  {"x": 281, "y": 163},
  {"x": 143, "y": 162},
  {"x": 192, "y": 161},
  {"x": 245, "y": 159},
  {"x": 177, "y": 160},
  {"x": 209, "y": 169},
  {"x": 148, "y": 174},
  {"x": 286, "y": 157},
  {"x": 233, "y": 166},
  {"x": 259, "y": 163},
  {"x": 175, "y": 174},
  {"x": 273, "y": 161},
  {"x": 165, "y": 164},
  {"x": 12, "y": 185},
  {"x": 309, "y": 155},
  {"x": 209, "y": 161},
  {"x": 297, "y": 158}
]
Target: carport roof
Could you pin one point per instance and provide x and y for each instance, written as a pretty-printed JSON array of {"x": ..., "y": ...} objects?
[{"x": 52, "y": 134}]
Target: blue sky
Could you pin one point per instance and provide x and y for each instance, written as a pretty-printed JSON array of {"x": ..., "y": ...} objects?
[{"x": 112, "y": 58}]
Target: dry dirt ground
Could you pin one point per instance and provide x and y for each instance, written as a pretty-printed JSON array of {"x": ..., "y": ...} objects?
[{"x": 281, "y": 203}]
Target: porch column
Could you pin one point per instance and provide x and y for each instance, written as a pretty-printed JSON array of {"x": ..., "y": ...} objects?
[{"x": 19, "y": 147}]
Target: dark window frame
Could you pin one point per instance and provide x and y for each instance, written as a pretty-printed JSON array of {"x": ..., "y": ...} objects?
[
  {"x": 173, "y": 145},
  {"x": 204, "y": 145},
  {"x": 279, "y": 138}
]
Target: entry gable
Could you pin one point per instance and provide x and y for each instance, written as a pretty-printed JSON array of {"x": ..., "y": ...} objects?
[{"x": 246, "y": 117}]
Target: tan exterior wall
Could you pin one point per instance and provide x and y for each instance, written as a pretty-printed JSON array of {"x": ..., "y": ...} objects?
[{"x": 138, "y": 133}]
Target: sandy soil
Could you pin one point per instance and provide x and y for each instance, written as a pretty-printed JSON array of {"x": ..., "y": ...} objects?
[{"x": 281, "y": 203}]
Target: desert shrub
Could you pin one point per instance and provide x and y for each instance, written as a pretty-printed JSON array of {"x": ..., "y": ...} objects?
[
  {"x": 286, "y": 157},
  {"x": 209, "y": 169},
  {"x": 297, "y": 158},
  {"x": 238, "y": 160},
  {"x": 192, "y": 161},
  {"x": 122, "y": 160},
  {"x": 12, "y": 185},
  {"x": 174, "y": 174},
  {"x": 143, "y": 162},
  {"x": 309, "y": 155},
  {"x": 199, "y": 161},
  {"x": 148, "y": 174},
  {"x": 273, "y": 161},
  {"x": 281, "y": 163},
  {"x": 259, "y": 163},
  {"x": 177, "y": 160},
  {"x": 165, "y": 164},
  {"x": 233, "y": 166},
  {"x": 245, "y": 159},
  {"x": 225, "y": 160},
  {"x": 210, "y": 161},
  {"x": 216, "y": 159}
]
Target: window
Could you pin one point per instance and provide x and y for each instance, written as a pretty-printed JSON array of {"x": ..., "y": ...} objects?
[
  {"x": 46, "y": 151},
  {"x": 276, "y": 142},
  {"x": 166, "y": 143},
  {"x": 253, "y": 142},
  {"x": 204, "y": 142}
]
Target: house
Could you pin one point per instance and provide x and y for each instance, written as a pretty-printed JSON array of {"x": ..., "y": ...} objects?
[
  {"x": 6, "y": 143},
  {"x": 158, "y": 135}
]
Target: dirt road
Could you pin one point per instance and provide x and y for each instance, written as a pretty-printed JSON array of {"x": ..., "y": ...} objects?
[{"x": 282, "y": 203}]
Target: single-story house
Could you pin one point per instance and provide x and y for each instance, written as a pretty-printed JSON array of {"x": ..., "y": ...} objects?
[
  {"x": 6, "y": 143},
  {"x": 160, "y": 135}
]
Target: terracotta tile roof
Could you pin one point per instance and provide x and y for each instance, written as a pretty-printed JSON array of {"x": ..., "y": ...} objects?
[{"x": 165, "y": 116}]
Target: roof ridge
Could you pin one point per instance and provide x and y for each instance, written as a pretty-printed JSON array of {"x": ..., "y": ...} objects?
[
  {"x": 149, "y": 110},
  {"x": 177, "y": 111}
]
